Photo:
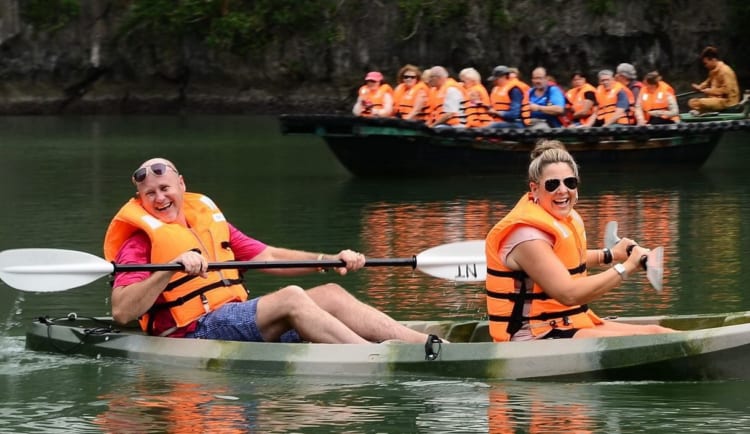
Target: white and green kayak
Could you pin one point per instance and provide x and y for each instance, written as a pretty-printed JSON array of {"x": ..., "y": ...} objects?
[{"x": 712, "y": 346}]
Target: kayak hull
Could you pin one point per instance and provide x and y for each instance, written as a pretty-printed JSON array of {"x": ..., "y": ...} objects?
[{"x": 718, "y": 348}]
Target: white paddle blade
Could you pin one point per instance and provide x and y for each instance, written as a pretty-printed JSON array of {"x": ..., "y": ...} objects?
[
  {"x": 655, "y": 268},
  {"x": 463, "y": 261},
  {"x": 50, "y": 270},
  {"x": 610, "y": 235}
]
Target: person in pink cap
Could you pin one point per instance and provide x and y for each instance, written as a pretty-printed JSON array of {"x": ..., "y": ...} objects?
[{"x": 375, "y": 98}]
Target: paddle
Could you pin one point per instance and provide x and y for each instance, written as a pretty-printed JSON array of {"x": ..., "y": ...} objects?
[
  {"x": 684, "y": 94},
  {"x": 49, "y": 270},
  {"x": 653, "y": 262}
]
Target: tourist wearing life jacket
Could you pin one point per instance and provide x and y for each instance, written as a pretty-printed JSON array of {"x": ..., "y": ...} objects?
[
  {"x": 537, "y": 261},
  {"x": 447, "y": 110},
  {"x": 720, "y": 89},
  {"x": 477, "y": 103},
  {"x": 614, "y": 102},
  {"x": 166, "y": 224},
  {"x": 581, "y": 99},
  {"x": 374, "y": 98},
  {"x": 626, "y": 75},
  {"x": 510, "y": 100},
  {"x": 656, "y": 104},
  {"x": 410, "y": 96},
  {"x": 546, "y": 101}
]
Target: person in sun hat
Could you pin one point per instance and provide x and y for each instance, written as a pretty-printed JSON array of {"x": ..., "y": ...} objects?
[
  {"x": 164, "y": 223},
  {"x": 627, "y": 76},
  {"x": 537, "y": 260},
  {"x": 510, "y": 100},
  {"x": 374, "y": 98}
]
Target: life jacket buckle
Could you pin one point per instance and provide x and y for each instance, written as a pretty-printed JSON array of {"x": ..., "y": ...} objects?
[{"x": 204, "y": 300}]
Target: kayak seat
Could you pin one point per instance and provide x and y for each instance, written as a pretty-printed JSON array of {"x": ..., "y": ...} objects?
[
  {"x": 481, "y": 333},
  {"x": 461, "y": 331}
]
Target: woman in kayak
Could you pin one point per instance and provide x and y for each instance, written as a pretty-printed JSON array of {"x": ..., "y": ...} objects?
[{"x": 537, "y": 285}]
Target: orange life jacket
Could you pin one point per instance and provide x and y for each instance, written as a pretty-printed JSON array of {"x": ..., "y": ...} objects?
[
  {"x": 607, "y": 102},
  {"x": 476, "y": 107},
  {"x": 187, "y": 297},
  {"x": 373, "y": 99},
  {"x": 404, "y": 100},
  {"x": 500, "y": 98},
  {"x": 576, "y": 97},
  {"x": 656, "y": 100},
  {"x": 513, "y": 299},
  {"x": 437, "y": 99}
]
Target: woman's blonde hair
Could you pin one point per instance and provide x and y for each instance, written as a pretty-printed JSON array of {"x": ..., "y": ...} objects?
[{"x": 547, "y": 152}]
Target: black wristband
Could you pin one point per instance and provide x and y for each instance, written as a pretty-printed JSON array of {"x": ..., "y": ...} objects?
[{"x": 607, "y": 255}]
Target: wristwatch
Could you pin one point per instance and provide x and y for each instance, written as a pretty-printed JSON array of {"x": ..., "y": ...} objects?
[{"x": 621, "y": 271}]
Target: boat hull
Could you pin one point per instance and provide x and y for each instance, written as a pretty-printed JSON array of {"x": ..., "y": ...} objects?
[
  {"x": 721, "y": 350},
  {"x": 386, "y": 147}
]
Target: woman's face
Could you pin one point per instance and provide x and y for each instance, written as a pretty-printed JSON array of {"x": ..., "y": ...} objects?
[
  {"x": 560, "y": 178},
  {"x": 410, "y": 78}
]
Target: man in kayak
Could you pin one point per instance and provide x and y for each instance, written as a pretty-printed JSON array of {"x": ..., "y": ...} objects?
[{"x": 165, "y": 223}]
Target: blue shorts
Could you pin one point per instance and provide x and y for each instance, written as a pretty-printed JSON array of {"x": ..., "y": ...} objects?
[{"x": 235, "y": 322}]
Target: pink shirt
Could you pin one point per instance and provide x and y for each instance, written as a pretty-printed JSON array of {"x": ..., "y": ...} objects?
[
  {"x": 520, "y": 234},
  {"x": 137, "y": 250}
]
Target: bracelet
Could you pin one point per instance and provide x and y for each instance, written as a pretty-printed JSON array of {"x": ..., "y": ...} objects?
[
  {"x": 321, "y": 269},
  {"x": 608, "y": 258}
]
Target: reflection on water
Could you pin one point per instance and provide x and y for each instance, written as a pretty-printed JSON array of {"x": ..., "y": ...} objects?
[
  {"x": 124, "y": 396},
  {"x": 289, "y": 191}
]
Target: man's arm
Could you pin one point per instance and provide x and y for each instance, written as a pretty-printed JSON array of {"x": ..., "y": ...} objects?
[
  {"x": 451, "y": 105},
  {"x": 514, "y": 111}
]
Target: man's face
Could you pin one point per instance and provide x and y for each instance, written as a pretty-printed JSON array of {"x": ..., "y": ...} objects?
[
  {"x": 161, "y": 195},
  {"x": 539, "y": 80},
  {"x": 709, "y": 63},
  {"x": 606, "y": 81}
]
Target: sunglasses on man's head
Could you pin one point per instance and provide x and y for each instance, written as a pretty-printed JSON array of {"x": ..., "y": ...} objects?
[
  {"x": 158, "y": 169},
  {"x": 553, "y": 184}
]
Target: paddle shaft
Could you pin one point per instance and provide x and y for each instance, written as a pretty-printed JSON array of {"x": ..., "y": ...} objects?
[{"x": 254, "y": 265}]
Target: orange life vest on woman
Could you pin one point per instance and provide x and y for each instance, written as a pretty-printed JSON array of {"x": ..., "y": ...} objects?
[
  {"x": 656, "y": 100},
  {"x": 513, "y": 299},
  {"x": 475, "y": 112},
  {"x": 404, "y": 100},
  {"x": 373, "y": 99},
  {"x": 500, "y": 99},
  {"x": 576, "y": 97},
  {"x": 187, "y": 297},
  {"x": 437, "y": 99},
  {"x": 607, "y": 102}
]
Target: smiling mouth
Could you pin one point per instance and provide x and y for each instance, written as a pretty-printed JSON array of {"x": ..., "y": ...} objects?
[{"x": 164, "y": 207}]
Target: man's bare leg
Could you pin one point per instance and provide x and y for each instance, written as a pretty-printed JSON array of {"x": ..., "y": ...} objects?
[
  {"x": 362, "y": 319},
  {"x": 291, "y": 308}
]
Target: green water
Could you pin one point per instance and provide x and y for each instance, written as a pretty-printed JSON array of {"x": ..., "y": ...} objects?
[{"x": 64, "y": 177}]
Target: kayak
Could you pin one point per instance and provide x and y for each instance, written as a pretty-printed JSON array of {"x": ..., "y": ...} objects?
[
  {"x": 375, "y": 147},
  {"x": 707, "y": 347}
]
